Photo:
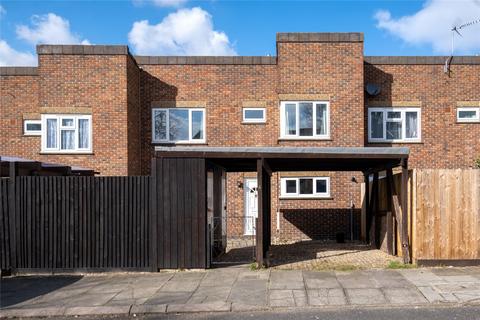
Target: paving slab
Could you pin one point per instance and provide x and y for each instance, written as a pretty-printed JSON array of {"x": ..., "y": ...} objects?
[
  {"x": 421, "y": 277},
  {"x": 326, "y": 297},
  {"x": 169, "y": 297},
  {"x": 355, "y": 279},
  {"x": 32, "y": 312},
  {"x": 201, "y": 307},
  {"x": 144, "y": 309},
  {"x": 320, "y": 280},
  {"x": 281, "y": 298},
  {"x": 388, "y": 279},
  {"x": 404, "y": 296},
  {"x": 249, "y": 291},
  {"x": 281, "y": 279},
  {"x": 183, "y": 282},
  {"x": 210, "y": 294},
  {"x": 222, "y": 278},
  {"x": 432, "y": 295},
  {"x": 101, "y": 310},
  {"x": 365, "y": 296}
]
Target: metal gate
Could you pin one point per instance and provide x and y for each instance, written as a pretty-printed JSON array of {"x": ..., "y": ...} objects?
[{"x": 231, "y": 239}]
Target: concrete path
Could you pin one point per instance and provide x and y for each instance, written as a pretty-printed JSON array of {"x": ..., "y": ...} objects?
[{"x": 234, "y": 289}]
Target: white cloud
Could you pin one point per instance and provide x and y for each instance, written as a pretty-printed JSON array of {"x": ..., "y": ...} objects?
[
  {"x": 184, "y": 32},
  {"x": 12, "y": 57},
  {"x": 431, "y": 25},
  {"x": 2, "y": 11},
  {"x": 162, "y": 3},
  {"x": 49, "y": 29}
]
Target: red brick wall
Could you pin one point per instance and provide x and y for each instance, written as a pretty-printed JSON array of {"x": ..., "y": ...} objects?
[
  {"x": 445, "y": 143},
  {"x": 134, "y": 112}
]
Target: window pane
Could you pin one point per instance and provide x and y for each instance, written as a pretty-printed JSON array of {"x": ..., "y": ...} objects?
[
  {"x": 51, "y": 133},
  {"x": 67, "y": 122},
  {"x": 178, "y": 124},
  {"x": 376, "y": 124},
  {"x": 306, "y": 119},
  {"x": 467, "y": 114},
  {"x": 321, "y": 119},
  {"x": 197, "y": 125},
  {"x": 321, "y": 186},
  {"x": 83, "y": 133},
  {"x": 34, "y": 127},
  {"x": 67, "y": 139},
  {"x": 290, "y": 119},
  {"x": 160, "y": 124},
  {"x": 394, "y": 130},
  {"x": 394, "y": 115},
  {"x": 254, "y": 114},
  {"x": 411, "y": 119},
  {"x": 291, "y": 186},
  {"x": 306, "y": 186}
]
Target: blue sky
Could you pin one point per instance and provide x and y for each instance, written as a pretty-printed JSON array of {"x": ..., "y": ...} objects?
[{"x": 219, "y": 27}]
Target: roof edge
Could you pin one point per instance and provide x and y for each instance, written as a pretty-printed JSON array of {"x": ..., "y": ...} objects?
[
  {"x": 420, "y": 60},
  {"x": 199, "y": 60},
  {"x": 320, "y": 37},
  {"x": 18, "y": 71},
  {"x": 78, "y": 49}
]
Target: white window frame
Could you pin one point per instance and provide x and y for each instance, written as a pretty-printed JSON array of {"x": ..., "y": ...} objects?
[
  {"x": 59, "y": 117},
  {"x": 297, "y": 136},
  {"x": 27, "y": 132},
  {"x": 402, "y": 119},
  {"x": 467, "y": 120},
  {"x": 297, "y": 194},
  {"x": 190, "y": 140},
  {"x": 256, "y": 120}
]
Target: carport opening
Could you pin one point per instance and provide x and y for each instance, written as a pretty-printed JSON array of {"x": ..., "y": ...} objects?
[{"x": 261, "y": 163}]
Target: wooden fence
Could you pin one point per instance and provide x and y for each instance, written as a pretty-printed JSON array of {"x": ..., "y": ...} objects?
[
  {"x": 443, "y": 215},
  {"x": 5, "y": 261},
  {"x": 78, "y": 223}
]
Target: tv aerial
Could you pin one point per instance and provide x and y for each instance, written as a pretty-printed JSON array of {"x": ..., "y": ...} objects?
[{"x": 456, "y": 30}]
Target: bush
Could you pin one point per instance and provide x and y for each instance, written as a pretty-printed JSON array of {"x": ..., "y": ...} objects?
[{"x": 477, "y": 163}]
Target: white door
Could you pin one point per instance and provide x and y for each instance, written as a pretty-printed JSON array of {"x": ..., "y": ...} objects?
[{"x": 251, "y": 205}]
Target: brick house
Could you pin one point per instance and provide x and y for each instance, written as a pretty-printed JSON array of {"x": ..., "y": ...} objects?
[{"x": 102, "y": 108}]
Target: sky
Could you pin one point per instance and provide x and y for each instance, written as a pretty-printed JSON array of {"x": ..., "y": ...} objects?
[{"x": 228, "y": 27}]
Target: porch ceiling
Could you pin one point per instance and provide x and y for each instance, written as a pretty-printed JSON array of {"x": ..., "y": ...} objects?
[{"x": 240, "y": 159}]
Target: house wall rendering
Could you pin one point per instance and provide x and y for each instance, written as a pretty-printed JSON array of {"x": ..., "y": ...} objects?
[{"x": 311, "y": 94}]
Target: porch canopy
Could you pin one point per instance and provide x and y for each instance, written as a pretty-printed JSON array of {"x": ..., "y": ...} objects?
[{"x": 265, "y": 160}]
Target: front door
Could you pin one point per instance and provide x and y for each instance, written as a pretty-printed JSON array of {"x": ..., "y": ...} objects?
[{"x": 251, "y": 206}]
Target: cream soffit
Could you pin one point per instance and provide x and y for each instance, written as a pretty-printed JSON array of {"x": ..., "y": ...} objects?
[
  {"x": 178, "y": 104},
  {"x": 254, "y": 104},
  {"x": 395, "y": 104},
  {"x": 31, "y": 116},
  {"x": 69, "y": 110},
  {"x": 304, "y": 97}
]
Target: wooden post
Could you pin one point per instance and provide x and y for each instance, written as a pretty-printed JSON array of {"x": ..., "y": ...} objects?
[
  {"x": 366, "y": 205},
  {"x": 259, "y": 221},
  {"x": 373, "y": 211},
  {"x": 12, "y": 219},
  {"x": 153, "y": 259},
  {"x": 389, "y": 217},
  {"x": 404, "y": 230}
]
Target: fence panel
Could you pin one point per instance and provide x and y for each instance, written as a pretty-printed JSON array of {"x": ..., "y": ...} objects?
[
  {"x": 5, "y": 259},
  {"x": 82, "y": 223},
  {"x": 447, "y": 215}
]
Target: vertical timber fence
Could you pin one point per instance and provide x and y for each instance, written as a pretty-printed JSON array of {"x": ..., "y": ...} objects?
[{"x": 75, "y": 223}]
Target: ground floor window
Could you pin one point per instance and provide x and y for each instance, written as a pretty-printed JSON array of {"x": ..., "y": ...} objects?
[
  {"x": 178, "y": 125},
  {"x": 66, "y": 133},
  {"x": 468, "y": 114},
  {"x": 305, "y": 187},
  {"x": 394, "y": 125}
]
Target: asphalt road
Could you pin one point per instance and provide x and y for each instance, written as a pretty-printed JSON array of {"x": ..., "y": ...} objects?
[{"x": 402, "y": 313}]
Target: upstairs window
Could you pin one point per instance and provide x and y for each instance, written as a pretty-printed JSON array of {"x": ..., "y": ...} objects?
[
  {"x": 178, "y": 125},
  {"x": 394, "y": 125},
  {"x": 468, "y": 114},
  {"x": 305, "y": 187},
  {"x": 254, "y": 115},
  {"x": 304, "y": 120},
  {"x": 32, "y": 127},
  {"x": 66, "y": 133}
]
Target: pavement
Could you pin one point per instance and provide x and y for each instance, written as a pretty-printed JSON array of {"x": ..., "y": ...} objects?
[{"x": 235, "y": 289}]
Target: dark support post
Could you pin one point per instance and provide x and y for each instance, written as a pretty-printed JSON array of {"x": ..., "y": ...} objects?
[
  {"x": 404, "y": 204},
  {"x": 366, "y": 179},
  {"x": 259, "y": 221},
  {"x": 390, "y": 224},
  {"x": 374, "y": 211},
  {"x": 153, "y": 216},
  {"x": 12, "y": 218}
]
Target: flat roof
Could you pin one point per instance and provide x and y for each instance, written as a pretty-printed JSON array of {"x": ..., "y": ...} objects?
[{"x": 237, "y": 159}]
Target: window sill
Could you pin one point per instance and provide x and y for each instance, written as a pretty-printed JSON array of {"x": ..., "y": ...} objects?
[
  {"x": 71, "y": 153},
  {"x": 305, "y": 139},
  {"x": 306, "y": 198},
  {"x": 247, "y": 122},
  {"x": 468, "y": 122},
  {"x": 179, "y": 143},
  {"x": 395, "y": 142}
]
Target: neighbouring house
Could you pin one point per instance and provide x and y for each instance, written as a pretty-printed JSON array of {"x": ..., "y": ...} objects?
[{"x": 102, "y": 108}]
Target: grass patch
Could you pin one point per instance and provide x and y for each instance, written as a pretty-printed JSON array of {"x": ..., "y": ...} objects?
[
  {"x": 254, "y": 266},
  {"x": 400, "y": 265}
]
